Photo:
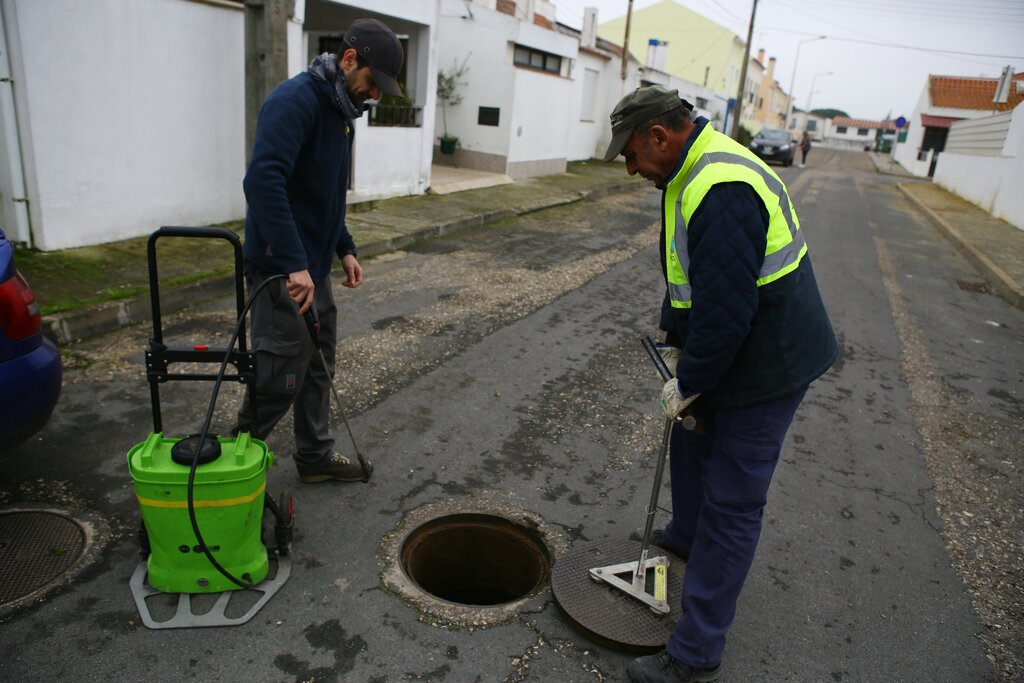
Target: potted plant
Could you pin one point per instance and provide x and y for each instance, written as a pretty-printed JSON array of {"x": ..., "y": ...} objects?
[{"x": 448, "y": 82}]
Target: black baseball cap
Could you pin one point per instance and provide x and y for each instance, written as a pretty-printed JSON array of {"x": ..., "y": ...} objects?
[
  {"x": 639, "y": 107},
  {"x": 379, "y": 47}
]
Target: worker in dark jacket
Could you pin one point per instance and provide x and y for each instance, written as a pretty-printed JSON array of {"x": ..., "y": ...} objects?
[
  {"x": 746, "y": 332},
  {"x": 295, "y": 188}
]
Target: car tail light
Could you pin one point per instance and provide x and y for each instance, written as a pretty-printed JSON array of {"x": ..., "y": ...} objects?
[{"x": 19, "y": 313}]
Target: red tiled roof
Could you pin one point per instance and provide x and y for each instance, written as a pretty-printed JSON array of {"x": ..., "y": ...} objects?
[
  {"x": 938, "y": 121},
  {"x": 956, "y": 92},
  {"x": 862, "y": 123}
]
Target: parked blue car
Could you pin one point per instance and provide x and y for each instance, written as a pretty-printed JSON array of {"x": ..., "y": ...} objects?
[{"x": 30, "y": 366}]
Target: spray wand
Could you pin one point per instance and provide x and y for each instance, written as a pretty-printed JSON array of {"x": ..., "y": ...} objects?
[{"x": 313, "y": 325}]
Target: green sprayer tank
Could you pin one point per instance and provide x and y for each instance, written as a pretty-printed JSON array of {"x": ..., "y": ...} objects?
[{"x": 228, "y": 497}]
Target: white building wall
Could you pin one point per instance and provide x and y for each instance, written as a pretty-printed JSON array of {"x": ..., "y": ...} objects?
[
  {"x": 532, "y": 136},
  {"x": 297, "y": 42},
  {"x": 540, "y": 132},
  {"x": 128, "y": 130},
  {"x": 851, "y": 139},
  {"x": 130, "y": 113},
  {"x": 539, "y": 142},
  {"x": 991, "y": 182},
  {"x": 484, "y": 43},
  {"x": 905, "y": 153},
  {"x": 587, "y": 133}
]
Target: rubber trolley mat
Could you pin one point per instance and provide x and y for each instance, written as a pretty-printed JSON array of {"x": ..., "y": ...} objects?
[
  {"x": 605, "y": 614},
  {"x": 36, "y": 548}
]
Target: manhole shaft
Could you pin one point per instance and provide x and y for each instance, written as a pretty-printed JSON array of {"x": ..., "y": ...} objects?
[{"x": 475, "y": 559}]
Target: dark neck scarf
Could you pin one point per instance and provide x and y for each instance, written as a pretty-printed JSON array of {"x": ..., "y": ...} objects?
[{"x": 325, "y": 68}]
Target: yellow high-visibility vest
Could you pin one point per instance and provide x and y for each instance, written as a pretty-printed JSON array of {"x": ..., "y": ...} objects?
[{"x": 717, "y": 158}]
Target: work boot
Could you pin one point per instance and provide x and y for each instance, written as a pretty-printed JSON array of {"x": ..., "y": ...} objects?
[
  {"x": 659, "y": 539},
  {"x": 662, "y": 668},
  {"x": 335, "y": 466}
]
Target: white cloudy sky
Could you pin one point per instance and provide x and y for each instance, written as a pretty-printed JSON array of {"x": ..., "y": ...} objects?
[{"x": 868, "y": 51}]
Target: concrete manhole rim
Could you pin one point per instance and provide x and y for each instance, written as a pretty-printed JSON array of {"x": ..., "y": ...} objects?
[
  {"x": 443, "y": 612},
  {"x": 95, "y": 535}
]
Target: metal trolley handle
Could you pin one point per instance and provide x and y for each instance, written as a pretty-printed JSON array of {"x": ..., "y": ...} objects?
[{"x": 159, "y": 356}]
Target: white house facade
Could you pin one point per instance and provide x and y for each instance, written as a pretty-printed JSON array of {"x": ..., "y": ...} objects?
[
  {"x": 815, "y": 125},
  {"x": 842, "y": 132},
  {"x": 137, "y": 119},
  {"x": 944, "y": 101},
  {"x": 513, "y": 117}
]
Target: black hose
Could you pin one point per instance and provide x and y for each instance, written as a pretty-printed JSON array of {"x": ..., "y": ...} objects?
[{"x": 206, "y": 428}]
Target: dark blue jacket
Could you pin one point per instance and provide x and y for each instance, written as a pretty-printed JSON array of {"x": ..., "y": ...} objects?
[
  {"x": 296, "y": 182},
  {"x": 743, "y": 344}
]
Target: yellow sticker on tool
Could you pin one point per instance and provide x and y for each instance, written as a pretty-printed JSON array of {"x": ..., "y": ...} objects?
[{"x": 660, "y": 582}]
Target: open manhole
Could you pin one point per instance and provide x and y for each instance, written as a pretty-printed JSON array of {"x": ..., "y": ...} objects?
[
  {"x": 472, "y": 564},
  {"x": 36, "y": 549},
  {"x": 475, "y": 559}
]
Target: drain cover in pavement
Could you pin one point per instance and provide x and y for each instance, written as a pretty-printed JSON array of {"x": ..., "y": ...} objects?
[
  {"x": 606, "y": 614},
  {"x": 36, "y": 548}
]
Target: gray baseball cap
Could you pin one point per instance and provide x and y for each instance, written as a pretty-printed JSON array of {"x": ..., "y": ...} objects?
[
  {"x": 639, "y": 107},
  {"x": 379, "y": 47}
]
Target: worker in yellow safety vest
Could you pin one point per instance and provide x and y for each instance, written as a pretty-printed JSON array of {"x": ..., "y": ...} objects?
[{"x": 746, "y": 334}]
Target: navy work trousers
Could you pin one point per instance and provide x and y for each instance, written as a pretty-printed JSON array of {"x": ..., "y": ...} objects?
[{"x": 720, "y": 485}]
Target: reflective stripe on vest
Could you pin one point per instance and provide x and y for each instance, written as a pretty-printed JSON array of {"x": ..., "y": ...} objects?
[{"x": 785, "y": 244}]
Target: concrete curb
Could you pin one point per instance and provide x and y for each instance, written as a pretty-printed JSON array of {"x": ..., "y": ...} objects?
[
  {"x": 71, "y": 326},
  {"x": 1001, "y": 282}
]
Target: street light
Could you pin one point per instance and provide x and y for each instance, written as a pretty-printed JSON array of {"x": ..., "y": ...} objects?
[
  {"x": 792, "y": 79},
  {"x": 810, "y": 93}
]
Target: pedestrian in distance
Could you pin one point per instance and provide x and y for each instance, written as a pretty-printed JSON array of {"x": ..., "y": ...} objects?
[
  {"x": 295, "y": 189},
  {"x": 805, "y": 147},
  {"x": 746, "y": 333}
]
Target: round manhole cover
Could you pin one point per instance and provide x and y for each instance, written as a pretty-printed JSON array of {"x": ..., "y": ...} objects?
[{"x": 36, "y": 548}]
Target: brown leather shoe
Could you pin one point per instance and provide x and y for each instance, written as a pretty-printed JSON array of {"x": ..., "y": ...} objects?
[{"x": 335, "y": 467}]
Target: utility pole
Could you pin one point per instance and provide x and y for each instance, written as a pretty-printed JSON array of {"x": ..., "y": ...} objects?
[
  {"x": 625, "y": 47},
  {"x": 266, "y": 57},
  {"x": 743, "y": 74}
]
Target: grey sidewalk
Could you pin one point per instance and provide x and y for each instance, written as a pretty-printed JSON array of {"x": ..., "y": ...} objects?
[{"x": 993, "y": 246}]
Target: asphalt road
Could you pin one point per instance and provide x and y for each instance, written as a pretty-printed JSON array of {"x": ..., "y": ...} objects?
[{"x": 503, "y": 368}]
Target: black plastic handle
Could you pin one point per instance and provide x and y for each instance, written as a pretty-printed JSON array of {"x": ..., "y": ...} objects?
[{"x": 312, "y": 324}]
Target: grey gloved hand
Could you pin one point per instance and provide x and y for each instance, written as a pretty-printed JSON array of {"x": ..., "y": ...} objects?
[
  {"x": 671, "y": 355},
  {"x": 673, "y": 402}
]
